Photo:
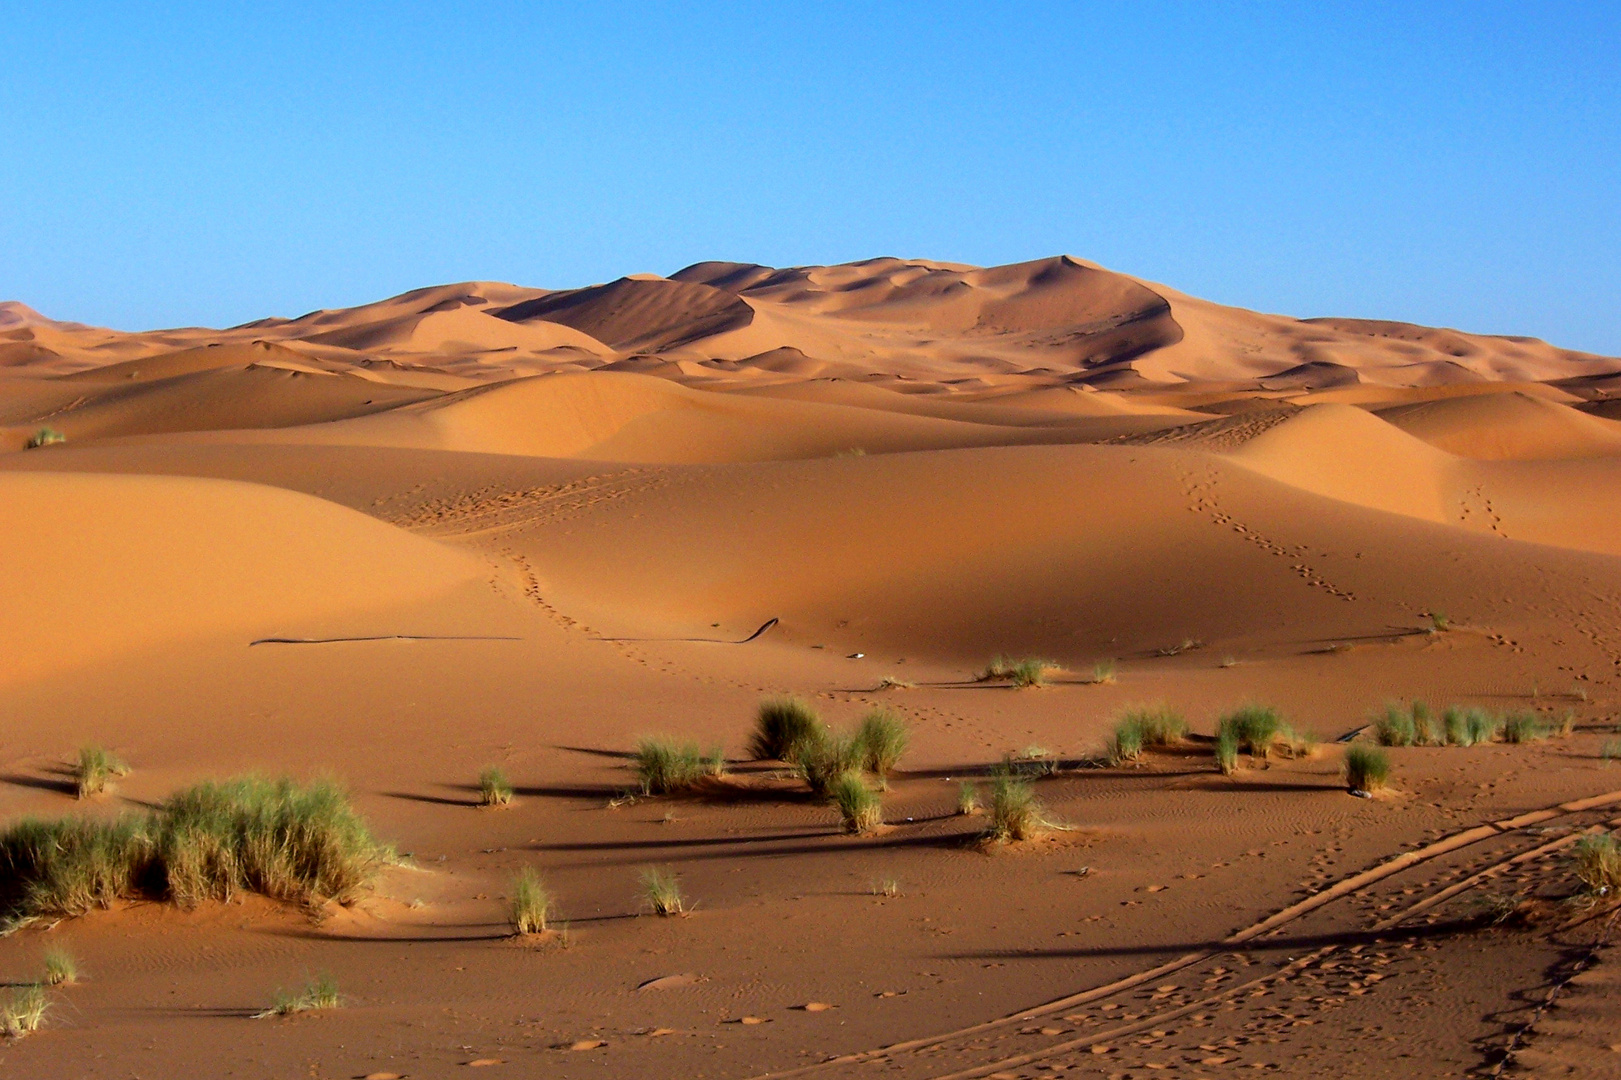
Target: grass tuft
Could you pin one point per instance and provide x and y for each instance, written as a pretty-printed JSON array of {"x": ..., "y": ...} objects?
[
  {"x": 96, "y": 770},
  {"x": 886, "y": 887},
  {"x": 1030, "y": 671},
  {"x": 1366, "y": 767},
  {"x": 1523, "y": 727},
  {"x": 320, "y": 993},
  {"x": 1015, "y": 813},
  {"x": 1143, "y": 727},
  {"x": 859, "y": 805},
  {"x": 1439, "y": 623},
  {"x": 883, "y": 737},
  {"x": 494, "y": 789},
  {"x": 1254, "y": 728},
  {"x": 967, "y": 798},
  {"x": 24, "y": 1011},
  {"x": 1395, "y": 726},
  {"x": 780, "y": 726},
  {"x": 1227, "y": 751},
  {"x": 61, "y": 969},
  {"x": 664, "y": 766},
  {"x": 45, "y": 436},
  {"x": 1598, "y": 864},
  {"x": 1104, "y": 673},
  {"x": 661, "y": 891},
  {"x": 823, "y": 759},
  {"x": 531, "y": 903}
]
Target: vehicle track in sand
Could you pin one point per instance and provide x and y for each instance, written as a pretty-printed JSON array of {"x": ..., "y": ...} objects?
[{"x": 950, "y": 1055}]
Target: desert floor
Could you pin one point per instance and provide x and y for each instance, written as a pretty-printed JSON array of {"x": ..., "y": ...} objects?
[{"x": 529, "y": 541}]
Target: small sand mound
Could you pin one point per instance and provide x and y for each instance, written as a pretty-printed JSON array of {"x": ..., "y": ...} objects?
[{"x": 1507, "y": 427}]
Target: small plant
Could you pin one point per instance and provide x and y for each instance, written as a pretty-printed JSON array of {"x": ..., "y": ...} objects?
[
  {"x": 1453, "y": 729},
  {"x": 664, "y": 766},
  {"x": 1126, "y": 744},
  {"x": 96, "y": 770},
  {"x": 967, "y": 798},
  {"x": 888, "y": 683},
  {"x": 1254, "y": 728},
  {"x": 320, "y": 993},
  {"x": 1145, "y": 727},
  {"x": 888, "y": 887},
  {"x": 1030, "y": 671},
  {"x": 45, "y": 436},
  {"x": 858, "y": 805},
  {"x": 661, "y": 891},
  {"x": 1034, "y": 760},
  {"x": 1598, "y": 864},
  {"x": 1567, "y": 725},
  {"x": 61, "y": 969},
  {"x": 1428, "y": 730},
  {"x": 1481, "y": 726},
  {"x": 1229, "y": 661},
  {"x": 531, "y": 903},
  {"x": 1104, "y": 673},
  {"x": 493, "y": 788},
  {"x": 1610, "y": 751},
  {"x": 1366, "y": 767},
  {"x": 1015, "y": 814},
  {"x": 1395, "y": 727},
  {"x": 24, "y": 1011},
  {"x": 1523, "y": 727},
  {"x": 1439, "y": 623},
  {"x": 883, "y": 737},
  {"x": 1227, "y": 751},
  {"x": 1295, "y": 743},
  {"x": 822, "y": 760},
  {"x": 780, "y": 726}
]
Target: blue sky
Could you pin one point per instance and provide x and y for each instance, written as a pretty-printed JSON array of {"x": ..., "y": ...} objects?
[{"x": 172, "y": 164}]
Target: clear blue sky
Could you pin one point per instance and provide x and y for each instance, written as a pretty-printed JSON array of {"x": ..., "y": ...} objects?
[{"x": 171, "y": 164}]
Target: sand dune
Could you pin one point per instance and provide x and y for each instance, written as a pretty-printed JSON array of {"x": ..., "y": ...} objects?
[{"x": 1508, "y": 427}]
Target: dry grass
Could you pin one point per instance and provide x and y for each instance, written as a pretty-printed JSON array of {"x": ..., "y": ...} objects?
[
  {"x": 1366, "y": 768},
  {"x": 320, "y": 992},
  {"x": 1104, "y": 673},
  {"x": 883, "y": 737},
  {"x": 781, "y": 724},
  {"x": 1523, "y": 727},
  {"x": 1014, "y": 812},
  {"x": 96, "y": 770},
  {"x": 664, "y": 766},
  {"x": 494, "y": 789},
  {"x": 967, "y": 798},
  {"x": 45, "y": 436},
  {"x": 1598, "y": 864},
  {"x": 61, "y": 969},
  {"x": 859, "y": 806},
  {"x": 1254, "y": 728},
  {"x": 1027, "y": 672},
  {"x": 822, "y": 760},
  {"x": 1137, "y": 728},
  {"x": 24, "y": 1011},
  {"x": 661, "y": 891},
  {"x": 1227, "y": 751},
  {"x": 531, "y": 903}
]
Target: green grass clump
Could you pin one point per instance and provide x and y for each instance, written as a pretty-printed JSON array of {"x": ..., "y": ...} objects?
[
  {"x": 96, "y": 771},
  {"x": 61, "y": 969},
  {"x": 531, "y": 903},
  {"x": 1598, "y": 863},
  {"x": 780, "y": 726},
  {"x": 1428, "y": 729},
  {"x": 1394, "y": 727},
  {"x": 664, "y": 766},
  {"x": 1366, "y": 767},
  {"x": 301, "y": 844},
  {"x": 1439, "y": 623},
  {"x": 1469, "y": 726},
  {"x": 320, "y": 993},
  {"x": 1145, "y": 727},
  {"x": 24, "y": 1011},
  {"x": 1014, "y": 812},
  {"x": 45, "y": 436},
  {"x": 1254, "y": 728},
  {"x": 1227, "y": 751},
  {"x": 661, "y": 891},
  {"x": 858, "y": 804},
  {"x": 823, "y": 759},
  {"x": 883, "y": 737},
  {"x": 967, "y": 798},
  {"x": 1029, "y": 671},
  {"x": 1523, "y": 727},
  {"x": 1104, "y": 673},
  {"x": 494, "y": 789},
  {"x": 1126, "y": 744}
]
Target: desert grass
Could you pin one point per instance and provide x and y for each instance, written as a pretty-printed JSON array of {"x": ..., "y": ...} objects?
[
  {"x": 23, "y": 1011},
  {"x": 61, "y": 969},
  {"x": 859, "y": 806},
  {"x": 1598, "y": 864},
  {"x": 1023, "y": 673},
  {"x": 1439, "y": 623},
  {"x": 1428, "y": 729},
  {"x": 1366, "y": 767},
  {"x": 1395, "y": 726},
  {"x": 1142, "y": 727},
  {"x": 1610, "y": 751},
  {"x": 1468, "y": 726},
  {"x": 664, "y": 767},
  {"x": 45, "y": 436},
  {"x": 1126, "y": 744},
  {"x": 781, "y": 724},
  {"x": 886, "y": 887},
  {"x": 1523, "y": 727},
  {"x": 822, "y": 760},
  {"x": 494, "y": 789},
  {"x": 303, "y": 844},
  {"x": 1227, "y": 751},
  {"x": 967, "y": 799},
  {"x": 1104, "y": 673},
  {"x": 96, "y": 770},
  {"x": 1254, "y": 728},
  {"x": 888, "y": 683},
  {"x": 320, "y": 992},
  {"x": 661, "y": 891},
  {"x": 1014, "y": 812},
  {"x": 883, "y": 737},
  {"x": 531, "y": 903}
]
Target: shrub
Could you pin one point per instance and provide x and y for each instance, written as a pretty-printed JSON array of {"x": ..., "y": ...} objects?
[
  {"x": 531, "y": 903},
  {"x": 1015, "y": 814},
  {"x": 45, "y": 436},
  {"x": 96, "y": 770},
  {"x": 883, "y": 737},
  {"x": 320, "y": 993},
  {"x": 1126, "y": 744},
  {"x": 1439, "y": 623},
  {"x": 60, "y": 967},
  {"x": 1523, "y": 727},
  {"x": 493, "y": 788},
  {"x": 858, "y": 805},
  {"x": 822, "y": 760},
  {"x": 664, "y": 766},
  {"x": 1144, "y": 727},
  {"x": 1454, "y": 728},
  {"x": 1030, "y": 671},
  {"x": 302, "y": 844},
  {"x": 1366, "y": 767},
  {"x": 780, "y": 726},
  {"x": 967, "y": 798},
  {"x": 1254, "y": 728},
  {"x": 1427, "y": 730},
  {"x": 1104, "y": 672},
  {"x": 1480, "y": 726},
  {"x": 1395, "y": 727},
  {"x": 661, "y": 891},
  {"x": 1598, "y": 863},
  {"x": 24, "y": 1011},
  {"x": 1227, "y": 751}
]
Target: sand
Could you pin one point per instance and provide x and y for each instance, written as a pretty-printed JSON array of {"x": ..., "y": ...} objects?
[{"x": 485, "y": 524}]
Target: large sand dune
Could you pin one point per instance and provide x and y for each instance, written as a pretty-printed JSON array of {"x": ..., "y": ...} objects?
[{"x": 498, "y": 525}]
